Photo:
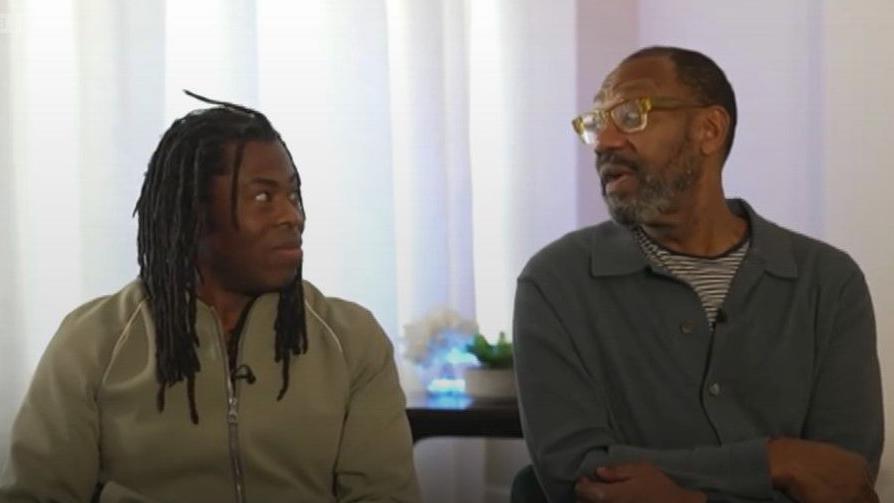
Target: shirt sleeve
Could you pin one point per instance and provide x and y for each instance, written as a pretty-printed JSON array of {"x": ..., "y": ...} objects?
[
  {"x": 568, "y": 429},
  {"x": 375, "y": 460},
  {"x": 846, "y": 406},
  {"x": 54, "y": 446}
]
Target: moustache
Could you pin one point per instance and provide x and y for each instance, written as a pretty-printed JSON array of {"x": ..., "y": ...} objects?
[{"x": 614, "y": 159}]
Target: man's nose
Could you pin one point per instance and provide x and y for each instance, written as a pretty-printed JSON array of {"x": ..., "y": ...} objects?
[
  {"x": 610, "y": 138},
  {"x": 291, "y": 214}
]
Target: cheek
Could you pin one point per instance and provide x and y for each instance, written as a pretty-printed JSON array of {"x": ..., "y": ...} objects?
[
  {"x": 254, "y": 253},
  {"x": 234, "y": 250},
  {"x": 248, "y": 252},
  {"x": 662, "y": 152}
]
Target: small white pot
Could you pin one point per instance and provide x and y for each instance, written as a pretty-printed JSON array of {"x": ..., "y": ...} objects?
[{"x": 490, "y": 383}]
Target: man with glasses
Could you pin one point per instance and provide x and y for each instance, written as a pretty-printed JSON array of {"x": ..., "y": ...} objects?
[{"x": 690, "y": 350}]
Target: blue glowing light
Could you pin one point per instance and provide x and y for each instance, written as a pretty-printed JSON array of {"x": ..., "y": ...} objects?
[{"x": 446, "y": 363}]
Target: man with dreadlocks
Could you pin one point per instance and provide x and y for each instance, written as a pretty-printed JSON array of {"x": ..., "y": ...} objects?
[{"x": 219, "y": 375}]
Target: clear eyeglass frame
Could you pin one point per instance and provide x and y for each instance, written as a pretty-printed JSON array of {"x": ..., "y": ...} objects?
[{"x": 629, "y": 116}]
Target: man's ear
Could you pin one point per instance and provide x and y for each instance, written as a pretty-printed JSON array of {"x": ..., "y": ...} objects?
[{"x": 713, "y": 127}]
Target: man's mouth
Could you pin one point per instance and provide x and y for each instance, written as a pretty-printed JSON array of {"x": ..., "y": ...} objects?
[
  {"x": 615, "y": 176},
  {"x": 615, "y": 183},
  {"x": 289, "y": 251}
]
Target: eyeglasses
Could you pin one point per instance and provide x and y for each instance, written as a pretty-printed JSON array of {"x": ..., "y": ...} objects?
[{"x": 628, "y": 116}]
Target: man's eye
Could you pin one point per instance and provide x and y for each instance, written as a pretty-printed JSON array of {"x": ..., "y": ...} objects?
[
  {"x": 628, "y": 115},
  {"x": 262, "y": 197}
]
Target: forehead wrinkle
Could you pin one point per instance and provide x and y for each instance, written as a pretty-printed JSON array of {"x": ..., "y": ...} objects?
[{"x": 614, "y": 91}]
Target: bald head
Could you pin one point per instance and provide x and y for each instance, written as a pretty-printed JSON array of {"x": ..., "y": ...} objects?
[
  {"x": 646, "y": 76},
  {"x": 697, "y": 74}
]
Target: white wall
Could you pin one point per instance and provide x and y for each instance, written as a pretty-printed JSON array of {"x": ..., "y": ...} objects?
[
  {"x": 764, "y": 46},
  {"x": 858, "y": 154}
]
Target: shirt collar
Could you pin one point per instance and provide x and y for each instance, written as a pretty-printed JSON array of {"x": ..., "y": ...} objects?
[{"x": 615, "y": 251}]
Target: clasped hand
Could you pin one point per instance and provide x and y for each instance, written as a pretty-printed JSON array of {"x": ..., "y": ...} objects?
[
  {"x": 816, "y": 472},
  {"x": 807, "y": 471},
  {"x": 638, "y": 482}
]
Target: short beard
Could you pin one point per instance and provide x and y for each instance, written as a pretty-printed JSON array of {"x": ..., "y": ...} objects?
[{"x": 657, "y": 191}]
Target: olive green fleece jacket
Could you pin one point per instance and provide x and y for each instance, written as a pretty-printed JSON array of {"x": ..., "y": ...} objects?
[{"x": 340, "y": 433}]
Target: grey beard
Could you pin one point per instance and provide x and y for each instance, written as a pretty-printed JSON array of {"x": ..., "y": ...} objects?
[
  {"x": 657, "y": 195},
  {"x": 653, "y": 199}
]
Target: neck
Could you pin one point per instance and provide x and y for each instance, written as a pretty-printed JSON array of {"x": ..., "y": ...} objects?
[
  {"x": 701, "y": 226},
  {"x": 227, "y": 304}
]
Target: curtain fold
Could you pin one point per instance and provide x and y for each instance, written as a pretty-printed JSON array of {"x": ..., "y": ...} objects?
[
  {"x": 431, "y": 164},
  {"x": 10, "y": 301}
]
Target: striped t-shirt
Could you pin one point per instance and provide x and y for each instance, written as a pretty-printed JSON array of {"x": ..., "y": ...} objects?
[{"x": 710, "y": 277}]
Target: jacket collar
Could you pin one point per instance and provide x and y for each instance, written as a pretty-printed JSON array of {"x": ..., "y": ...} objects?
[{"x": 615, "y": 252}]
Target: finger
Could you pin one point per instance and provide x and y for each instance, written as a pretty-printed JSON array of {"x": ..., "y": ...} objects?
[
  {"x": 588, "y": 490},
  {"x": 616, "y": 473}
]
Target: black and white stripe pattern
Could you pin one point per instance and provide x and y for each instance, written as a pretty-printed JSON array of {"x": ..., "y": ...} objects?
[{"x": 710, "y": 277}]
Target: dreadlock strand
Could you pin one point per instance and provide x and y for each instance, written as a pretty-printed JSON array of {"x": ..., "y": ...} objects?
[
  {"x": 176, "y": 325},
  {"x": 225, "y": 104},
  {"x": 191, "y": 393},
  {"x": 237, "y": 163},
  {"x": 285, "y": 378},
  {"x": 290, "y": 327},
  {"x": 160, "y": 397}
]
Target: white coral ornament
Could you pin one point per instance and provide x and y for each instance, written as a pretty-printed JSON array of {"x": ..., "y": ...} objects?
[{"x": 439, "y": 330}]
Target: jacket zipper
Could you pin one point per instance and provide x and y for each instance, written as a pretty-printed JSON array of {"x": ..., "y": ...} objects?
[{"x": 232, "y": 422}]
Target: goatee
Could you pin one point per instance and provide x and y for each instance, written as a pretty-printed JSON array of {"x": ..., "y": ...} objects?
[{"x": 657, "y": 189}]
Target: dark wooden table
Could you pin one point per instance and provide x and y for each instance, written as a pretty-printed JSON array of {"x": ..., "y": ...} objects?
[{"x": 461, "y": 416}]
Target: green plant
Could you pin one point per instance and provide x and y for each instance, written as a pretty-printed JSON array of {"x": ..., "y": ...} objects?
[{"x": 492, "y": 356}]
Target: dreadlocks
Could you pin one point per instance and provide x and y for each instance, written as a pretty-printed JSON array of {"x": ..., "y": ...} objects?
[{"x": 171, "y": 212}]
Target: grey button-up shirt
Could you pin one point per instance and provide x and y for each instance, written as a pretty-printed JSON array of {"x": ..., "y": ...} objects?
[{"x": 616, "y": 362}]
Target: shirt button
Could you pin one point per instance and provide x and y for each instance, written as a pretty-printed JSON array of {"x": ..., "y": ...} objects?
[
  {"x": 687, "y": 327},
  {"x": 714, "y": 389}
]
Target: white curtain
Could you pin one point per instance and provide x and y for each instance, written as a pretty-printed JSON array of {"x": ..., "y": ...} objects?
[{"x": 433, "y": 148}]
